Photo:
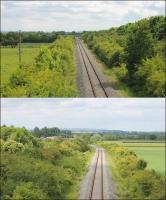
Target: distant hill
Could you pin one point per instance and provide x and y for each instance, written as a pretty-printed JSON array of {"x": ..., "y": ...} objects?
[{"x": 91, "y": 130}]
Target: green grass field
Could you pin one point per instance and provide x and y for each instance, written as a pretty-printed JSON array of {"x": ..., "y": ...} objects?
[
  {"x": 10, "y": 59},
  {"x": 153, "y": 153}
]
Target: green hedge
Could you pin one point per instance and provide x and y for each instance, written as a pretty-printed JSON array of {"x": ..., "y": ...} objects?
[
  {"x": 53, "y": 73},
  {"x": 132, "y": 178},
  {"x": 139, "y": 48}
]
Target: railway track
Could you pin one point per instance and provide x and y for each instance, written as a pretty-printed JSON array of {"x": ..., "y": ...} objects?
[
  {"x": 95, "y": 81},
  {"x": 98, "y": 184},
  {"x": 96, "y": 188}
]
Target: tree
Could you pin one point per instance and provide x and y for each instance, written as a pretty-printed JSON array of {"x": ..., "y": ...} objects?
[
  {"x": 139, "y": 45},
  {"x": 36, "y": 132},
  {"x": 153, "y": 137},
  {"x": 96, "y": 138}
]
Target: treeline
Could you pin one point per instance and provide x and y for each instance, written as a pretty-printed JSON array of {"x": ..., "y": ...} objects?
[
  {"x": 133, "y": 179},
  {"x": 12, "y": 38},
  {"x": 134, "y": 136},
  {"x": 151, "y": 136},
  {"x": 51, "y": 75},
  {"x": 50, "y": 132},
  {"x": 135, "y": 53},
  {"x": 32, "y": 168}
]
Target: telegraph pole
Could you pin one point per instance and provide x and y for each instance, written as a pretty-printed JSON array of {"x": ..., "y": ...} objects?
[{"x": 19, "y": 47}]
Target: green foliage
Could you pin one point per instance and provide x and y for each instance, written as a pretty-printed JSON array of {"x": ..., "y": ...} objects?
[
  {"x": 20, "y": 135},
  {"x": 49, "y": 132},
  {"x": 145, "y": 185},
  {"x": 28, "y": 191},
  {"x": 50, "y": 170},
  {"x": 12, "y": 38},
  {"x": 151, "y": 76},
  {"x": 12, "y": 146},
  {"x": 132, "y": 177},
  {"x": 139, "y": 45},
  {"x": 52, "y": 74},
  {"x": 121, "y": 72},
  {"x": 135, "y": 53},
  {"x": 96, "y": 138}
]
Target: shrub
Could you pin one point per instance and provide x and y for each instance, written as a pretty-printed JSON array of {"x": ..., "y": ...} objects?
[
  {"x": 151, "y": 76},
  {"x": 133, "y": 179},
  {"x": 12, "y": 146},
  {"x": 146, "y": 185},
  {"x": 49, "y": 170},
  {"x": 121, "y": 72},
  {"x": 28, "y": 191},
  {"x": 52, "y": 75},
  {"x": 132, "y": 46}
]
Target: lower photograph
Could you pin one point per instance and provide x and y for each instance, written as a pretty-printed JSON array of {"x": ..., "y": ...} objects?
[{"x": 82, "y": 148}]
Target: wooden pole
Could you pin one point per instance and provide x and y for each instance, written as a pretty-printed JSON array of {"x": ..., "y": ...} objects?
[{"x": 19, "y": 47}]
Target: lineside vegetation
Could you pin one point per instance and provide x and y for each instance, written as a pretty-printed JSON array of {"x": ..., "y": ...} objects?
[
  {"x": 33, "y": 168},
  {"x": 133, "y": 180},
  {"x": 53, "y": 73},
  {"x": 134, "y": 53}
]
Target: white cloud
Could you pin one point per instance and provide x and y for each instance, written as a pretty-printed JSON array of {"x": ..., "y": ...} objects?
[
  {"x": 75, "y": 15},
  {"x": 126, "y": 114}
]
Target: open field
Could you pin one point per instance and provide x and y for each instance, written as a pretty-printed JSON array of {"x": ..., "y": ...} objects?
[
  {"x": 10, "y": 59},
  {"x": 153, "y": 153}
]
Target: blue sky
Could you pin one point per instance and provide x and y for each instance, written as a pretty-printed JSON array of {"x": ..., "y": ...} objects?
[
  {"x": 140, "y": 114},
  {"x": 74, "y": 15}
]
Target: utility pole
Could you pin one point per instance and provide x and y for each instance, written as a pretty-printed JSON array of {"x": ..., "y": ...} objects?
[{"x": 19, "y": 47}]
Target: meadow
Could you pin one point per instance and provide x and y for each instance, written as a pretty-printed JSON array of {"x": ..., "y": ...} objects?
[
  {"x": 152, "y": 153},
  {"x": 10, "y": 58}
]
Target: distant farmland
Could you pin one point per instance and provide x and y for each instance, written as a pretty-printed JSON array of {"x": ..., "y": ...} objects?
[{"x": 153, "y": 153}]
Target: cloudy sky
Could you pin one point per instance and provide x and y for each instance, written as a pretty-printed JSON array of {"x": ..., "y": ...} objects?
[
  {"x": 141, "y": 114},
  {"x": 74, "y": 15}
]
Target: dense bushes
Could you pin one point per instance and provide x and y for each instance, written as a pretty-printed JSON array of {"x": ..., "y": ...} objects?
[
  {"x": 52, "y": 74},
  {"x": 135, "y": 53},
  {"x": 28, "y": 191},
  {"x": 50, "y": 170},
  {"x": 20, "y": 135},
  {"x": 134, "y": 181},
  {"x": 152, "y": 73}
]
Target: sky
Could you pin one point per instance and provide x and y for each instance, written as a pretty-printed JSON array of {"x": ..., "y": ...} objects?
[
  {"x": 132, "y": 114},
  {"x": 74, "y": 15}
]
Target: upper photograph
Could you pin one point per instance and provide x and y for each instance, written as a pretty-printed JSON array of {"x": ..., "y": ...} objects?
[{"x": 83, "y": 49}]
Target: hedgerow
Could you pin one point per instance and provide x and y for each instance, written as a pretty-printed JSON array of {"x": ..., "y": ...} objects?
[
  {"x": 53, "y": 73},
  {"x": 139, "y": 48}
]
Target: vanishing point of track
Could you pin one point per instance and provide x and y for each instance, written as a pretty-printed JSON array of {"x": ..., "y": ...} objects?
[{"x": 86, "y": 59}]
